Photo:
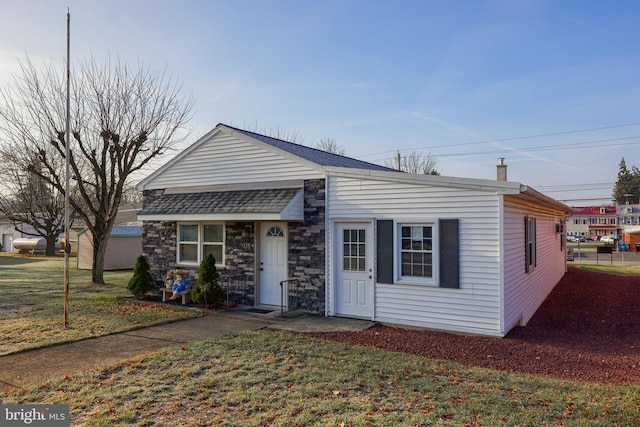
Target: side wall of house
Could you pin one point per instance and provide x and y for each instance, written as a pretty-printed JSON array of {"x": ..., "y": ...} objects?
[
  {"x": 475, "y": 306},
  {"x": 524, "y": 291}
]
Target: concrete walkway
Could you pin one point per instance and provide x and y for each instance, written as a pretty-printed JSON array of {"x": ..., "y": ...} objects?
[{"x": 34, "y": 367}]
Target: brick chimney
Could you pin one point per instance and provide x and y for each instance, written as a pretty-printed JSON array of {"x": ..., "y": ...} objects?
[{"x": 502, "y": 170}]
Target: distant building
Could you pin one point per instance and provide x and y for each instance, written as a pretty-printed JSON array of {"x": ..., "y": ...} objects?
[
  {"x": 592, "y": 221},
  {"x": 123, "y": 248}
]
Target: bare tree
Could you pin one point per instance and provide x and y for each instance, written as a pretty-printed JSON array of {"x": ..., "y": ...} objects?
[
  {"x": 25, "y": 198},
  {"x": 277, "y": 133},
  {"x": 121, "y": 119},
  {"x": 330, "y": 145},
  {"x": 414, "y": 162}
]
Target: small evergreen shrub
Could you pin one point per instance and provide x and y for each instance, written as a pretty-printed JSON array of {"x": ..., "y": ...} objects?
[
  {"x": 141, "y": 282},
  {"x": 207, "y": 290}
]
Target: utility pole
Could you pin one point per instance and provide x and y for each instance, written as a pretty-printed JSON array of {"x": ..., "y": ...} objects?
[{"x": 67, "y": 244}]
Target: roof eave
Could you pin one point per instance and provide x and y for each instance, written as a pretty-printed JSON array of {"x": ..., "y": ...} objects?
[
  {"x": 535, "y": 196},
  {"x": 500, "y": 187},
  {"x": 241, "y": 216}
]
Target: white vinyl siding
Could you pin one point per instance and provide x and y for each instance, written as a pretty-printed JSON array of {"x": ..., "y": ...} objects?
[
  {"x": 524, "y": 292},
  {"x": 224, "y": 159},
  {"x": 475, "y": 306}
]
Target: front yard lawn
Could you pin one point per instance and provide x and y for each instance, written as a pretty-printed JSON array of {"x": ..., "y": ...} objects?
[
  {"x": 265, "y": 378},
  {"x": 32, "y": 313}
]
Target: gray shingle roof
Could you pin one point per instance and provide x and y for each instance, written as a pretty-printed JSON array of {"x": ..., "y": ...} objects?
[
  {"x": 320, "y": 157},
  {"x": 245, "y": 201}
]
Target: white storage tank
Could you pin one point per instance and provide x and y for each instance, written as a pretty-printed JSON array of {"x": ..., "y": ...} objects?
[{"x": 31, "y": 244}]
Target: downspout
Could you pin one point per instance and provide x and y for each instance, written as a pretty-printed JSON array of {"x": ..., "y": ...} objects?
[
  {"x": 501, "y": 175},
  {"x": 501, "y": 263}
]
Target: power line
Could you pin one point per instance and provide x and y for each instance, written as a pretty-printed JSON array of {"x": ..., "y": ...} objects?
[
  {"x": 573, "y": 190},
  {"x": 558, "y": 147},
  {"x": 585, "y": 200},
  {"x": 508, "y": 139},
  {"x": 594, "y": 184}
]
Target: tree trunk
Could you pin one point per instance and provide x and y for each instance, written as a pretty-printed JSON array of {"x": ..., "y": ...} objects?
[
  {"x": 99, "y": 251},
  {"x": 51, "y": 246}
]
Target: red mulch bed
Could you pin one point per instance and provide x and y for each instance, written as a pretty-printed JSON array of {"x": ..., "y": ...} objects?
[{"x": 587, "y": 329}]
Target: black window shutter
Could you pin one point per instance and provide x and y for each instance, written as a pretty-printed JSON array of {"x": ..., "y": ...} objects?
[
  {"x": 384, "y": 251},
  {"x": 527, "y": 248},
  {"x": 449, "y": 253}
]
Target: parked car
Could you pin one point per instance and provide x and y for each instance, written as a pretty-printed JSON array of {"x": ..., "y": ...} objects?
[
  {"x": 593, "y": 237},
  {"x": 608, "y": 239},
  {"x": 572, "y": 238},
  {"x": 581, "y": 239}
]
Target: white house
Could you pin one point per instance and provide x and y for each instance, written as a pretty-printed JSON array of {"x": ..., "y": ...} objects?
[
  {"x": 350, "y": 238},
  {"x": 9, "y": 234}
]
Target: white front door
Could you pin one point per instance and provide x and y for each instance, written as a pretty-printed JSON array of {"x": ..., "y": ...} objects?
[
  {"x": 354, "y": 270},
  {"x": 273, "y": 261}
]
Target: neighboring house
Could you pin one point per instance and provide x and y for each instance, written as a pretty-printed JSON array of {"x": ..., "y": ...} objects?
[
  {"x": 8, "y": 233},
  {"x": 123, "y": 248},
  {"x": 128, "y": 214},
  {"x": 591, "y": 221},
  {"x": 362, "y": 240}
]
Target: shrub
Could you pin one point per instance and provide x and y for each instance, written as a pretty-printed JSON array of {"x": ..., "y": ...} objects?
[
  {"x": 207, "y": 290},
  {"x": 141, "y": 282}
]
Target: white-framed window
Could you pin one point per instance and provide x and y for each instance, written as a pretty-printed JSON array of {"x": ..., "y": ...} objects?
[
  {"x": 417, "y": 252},
  {"x": 354, "y": 251},
  {"x": 196, "y": 240}
]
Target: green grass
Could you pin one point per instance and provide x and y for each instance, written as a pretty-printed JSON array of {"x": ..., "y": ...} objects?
[
  {"x": 32, "y": 304},
  {"x": 270, "y": 378},
  {"x": 280, "y": 379},
  {"x": 622, "y": 270}
]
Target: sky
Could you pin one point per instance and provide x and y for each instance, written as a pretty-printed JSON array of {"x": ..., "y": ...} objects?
[{"x": 551, "y": 86}]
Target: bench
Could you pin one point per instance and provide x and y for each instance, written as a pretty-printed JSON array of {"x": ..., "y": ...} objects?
[{"x": 185, "y": 295}]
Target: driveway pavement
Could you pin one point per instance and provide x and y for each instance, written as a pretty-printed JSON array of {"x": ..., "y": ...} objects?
[{"x": 33, "y": 367}]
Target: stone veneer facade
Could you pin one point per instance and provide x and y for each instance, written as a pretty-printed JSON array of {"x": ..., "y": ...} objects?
[
  {"x": 307, "y": 249},
  {"x": 306, "y": 244}
]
